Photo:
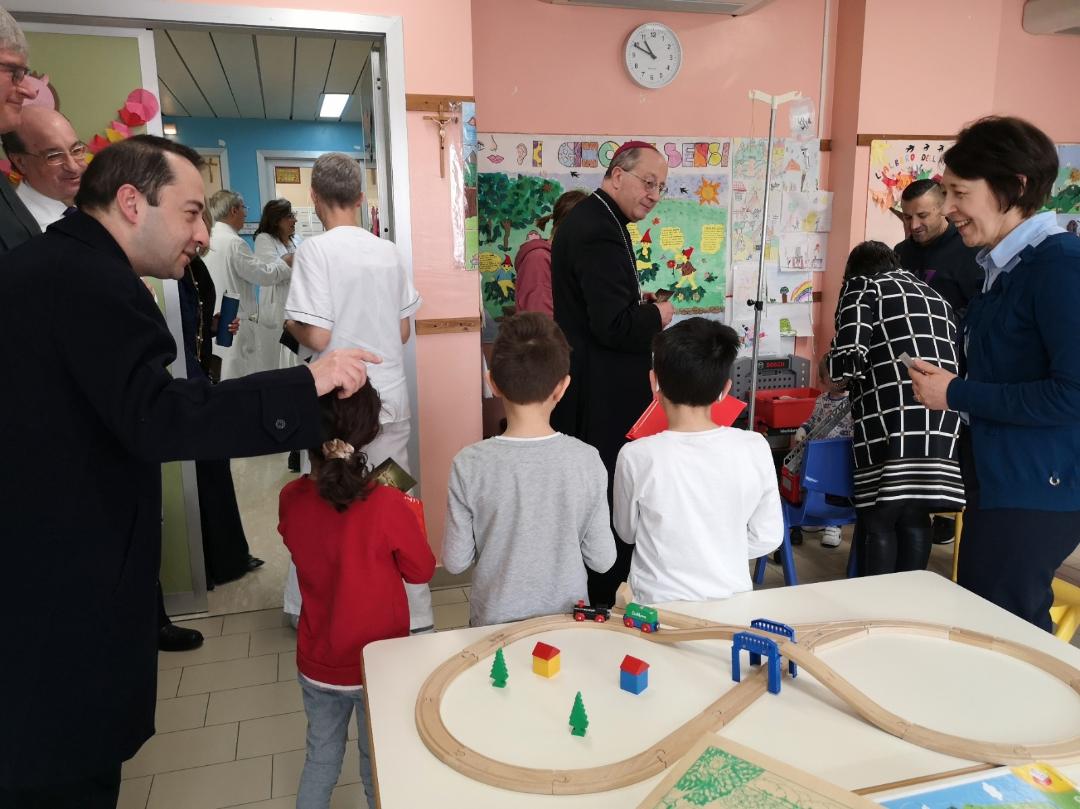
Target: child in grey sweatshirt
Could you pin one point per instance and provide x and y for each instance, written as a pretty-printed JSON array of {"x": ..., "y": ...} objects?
[{"x": 529, "y": 507}]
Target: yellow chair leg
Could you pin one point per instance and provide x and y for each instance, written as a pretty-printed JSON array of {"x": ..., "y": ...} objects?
[
  {"x": 1066, "y": 610},
  {"x": 957, "y": 532}
]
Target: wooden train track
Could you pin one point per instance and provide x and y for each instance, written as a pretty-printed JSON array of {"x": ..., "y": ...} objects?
[{"x": 681, "y": 628}]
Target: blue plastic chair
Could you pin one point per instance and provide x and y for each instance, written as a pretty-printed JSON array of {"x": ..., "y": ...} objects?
[{"x": 829, "y": 470}]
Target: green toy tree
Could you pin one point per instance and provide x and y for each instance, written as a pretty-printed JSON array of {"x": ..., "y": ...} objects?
[
  {"x": 579, "y": 720},
  {"x": 499, "y": 673}
]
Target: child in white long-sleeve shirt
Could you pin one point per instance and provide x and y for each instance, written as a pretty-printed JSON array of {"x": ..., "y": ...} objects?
[{"x": 698, "y": 500}]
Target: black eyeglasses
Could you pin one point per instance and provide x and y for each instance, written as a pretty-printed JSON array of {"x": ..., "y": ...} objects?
[
  {"x": 18, "y": 72},
  {"x": 57, "y": 157}
]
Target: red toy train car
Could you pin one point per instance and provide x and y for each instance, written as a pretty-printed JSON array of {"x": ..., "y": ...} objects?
[{"x": 598, "y": 614}]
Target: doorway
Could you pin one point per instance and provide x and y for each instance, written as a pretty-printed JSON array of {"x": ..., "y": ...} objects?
[{"x": 381, "y": 131}]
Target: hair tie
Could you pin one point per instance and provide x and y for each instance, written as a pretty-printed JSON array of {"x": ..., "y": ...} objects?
[{"x": 336, "y": 448}]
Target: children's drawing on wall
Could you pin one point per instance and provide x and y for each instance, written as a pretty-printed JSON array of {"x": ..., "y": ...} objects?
[
  {"x": 469, "y": 146},
  {"x": 802, "y": 252},
  {"x": 682, "y": 247},
  {"x": 462, "y": 147},
  {"x": 1065, "y": 195},
  {"x": 809, "y": 211},
  {"x": 894, "y": 165},
  {"x": 795, "y": 168},
  {"x": 768, "y": 336}
]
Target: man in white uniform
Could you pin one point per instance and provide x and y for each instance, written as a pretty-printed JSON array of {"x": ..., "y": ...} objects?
[
  {"x": 352, "y": 289},
  {"x": 236, "y": 271},
  {"x": 48, "y": 154}
]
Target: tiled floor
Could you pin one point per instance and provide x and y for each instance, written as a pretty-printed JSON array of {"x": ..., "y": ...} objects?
[
  {"x": 230, "y": 719},
  {"x": 231, "y": 722}
]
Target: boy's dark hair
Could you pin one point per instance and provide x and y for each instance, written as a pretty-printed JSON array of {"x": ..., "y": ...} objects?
[
  {"x": 139, "y": 161},
  {"x": 870, "y": 259},
  {"x": 530, "y": 357},
  {"x": 355, "y": 421},
  {"x": 920, "y": 187},
  {"x": 1016, "y": 158},
  {"x": 693, "y": 360}
]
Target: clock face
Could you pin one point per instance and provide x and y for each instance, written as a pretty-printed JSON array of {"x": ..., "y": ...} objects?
[{"x": 653, "y": 55}]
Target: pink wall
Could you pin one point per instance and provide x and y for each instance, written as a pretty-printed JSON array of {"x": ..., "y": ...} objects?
[
  {"x": 978, "y": 61},
  {"x": 553, "y": 68},
  {"x": 1037, "y": 76}
]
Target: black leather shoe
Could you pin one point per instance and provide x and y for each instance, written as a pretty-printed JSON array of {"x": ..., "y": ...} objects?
[
  {"x": 173, "y": 638},
  {"x": 254, "y": 563}
]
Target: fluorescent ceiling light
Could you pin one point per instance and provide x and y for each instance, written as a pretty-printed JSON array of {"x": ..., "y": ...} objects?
[
  {"x": 168, "y": 129},
  {"x": 333, "y": 104}
]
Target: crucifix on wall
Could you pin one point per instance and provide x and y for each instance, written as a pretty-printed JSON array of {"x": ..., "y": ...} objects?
[{"x": 441, "y": 120}]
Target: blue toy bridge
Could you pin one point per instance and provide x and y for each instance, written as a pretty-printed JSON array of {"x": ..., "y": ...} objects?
[{"x": 758, "y": 645}]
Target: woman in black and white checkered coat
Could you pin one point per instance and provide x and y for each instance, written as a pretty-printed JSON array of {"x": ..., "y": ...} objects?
[{"x": 905, "y": 455}]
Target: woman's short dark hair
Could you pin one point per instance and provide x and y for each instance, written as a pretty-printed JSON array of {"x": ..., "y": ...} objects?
[
  {"x": 272, "y": 213},
  {"x": 355, "y": 421},
  {"x": 1016, "y": 158},
  {"x": 870, "y": 259},
  {"x": 692, "y": 360},
  {"x": 530, "y": 358},
  {"x": 139, "y": 161}
]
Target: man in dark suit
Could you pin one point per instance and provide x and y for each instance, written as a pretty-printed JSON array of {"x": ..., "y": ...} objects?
[
  {"x": 932, "y": 249},
  {"x": 89, "y": 414},
  {"x": 607, "y": 320},
  {"x": 16, "y": 223}
]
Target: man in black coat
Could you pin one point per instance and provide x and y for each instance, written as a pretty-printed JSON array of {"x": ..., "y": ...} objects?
[
  {"x": 89, "y": 414},
  {"x": 17, "y": 225},
  {"x": 607, "y": 318},
  {"x": 933, "y": 250}
]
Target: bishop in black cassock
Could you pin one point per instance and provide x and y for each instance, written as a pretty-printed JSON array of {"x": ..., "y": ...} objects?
[{"x": 598, "y": 304}]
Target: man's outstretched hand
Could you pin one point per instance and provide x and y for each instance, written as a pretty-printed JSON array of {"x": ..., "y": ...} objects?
[{"x": 343, "y": 370}]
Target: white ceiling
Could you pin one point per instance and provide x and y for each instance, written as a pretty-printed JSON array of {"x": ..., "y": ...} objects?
[{"x": 223, "y": 74}]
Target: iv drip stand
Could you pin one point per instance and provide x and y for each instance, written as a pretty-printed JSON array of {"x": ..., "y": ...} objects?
[{"x": 759, "y": 300}]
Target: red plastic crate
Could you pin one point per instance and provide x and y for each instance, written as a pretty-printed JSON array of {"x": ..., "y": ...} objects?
[{"x": 784, "y": 407}]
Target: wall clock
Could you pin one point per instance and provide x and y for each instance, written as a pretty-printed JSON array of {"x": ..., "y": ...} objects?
[{"x": 653, "y": 55}]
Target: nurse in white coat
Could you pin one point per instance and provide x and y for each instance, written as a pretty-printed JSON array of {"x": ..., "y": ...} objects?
[
  {"x": 351, "y": 288},
  {"x": 275, "y": 238},
  {"x": 236, "y": 270}
]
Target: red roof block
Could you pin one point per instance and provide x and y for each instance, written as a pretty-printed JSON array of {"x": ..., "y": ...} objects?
[
  {"x": 632, "y": 665},
  {"x": 544, "y": 651}
]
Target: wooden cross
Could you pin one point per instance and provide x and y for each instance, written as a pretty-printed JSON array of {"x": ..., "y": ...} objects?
[{"x": 441, "y": 120}]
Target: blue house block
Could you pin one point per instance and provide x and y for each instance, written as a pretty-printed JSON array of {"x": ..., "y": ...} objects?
[{"x": 633, "y": 675}]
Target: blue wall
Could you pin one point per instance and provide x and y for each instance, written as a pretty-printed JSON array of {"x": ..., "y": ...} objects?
[{"x": 244, "y": 136}]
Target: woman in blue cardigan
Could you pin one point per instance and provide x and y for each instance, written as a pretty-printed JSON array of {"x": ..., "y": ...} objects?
[{"x": 1021, "y": 392}]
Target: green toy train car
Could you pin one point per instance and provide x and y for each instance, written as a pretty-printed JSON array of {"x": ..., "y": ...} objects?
[{"x": 642, "y": 617}]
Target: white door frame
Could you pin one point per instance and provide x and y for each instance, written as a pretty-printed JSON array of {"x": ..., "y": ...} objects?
[
  {"x": 141, "y": 14},
  {"x": 137, "y": 13}
]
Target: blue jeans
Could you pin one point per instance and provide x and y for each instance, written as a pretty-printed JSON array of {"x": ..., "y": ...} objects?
[{"x": 328, "y": 713}]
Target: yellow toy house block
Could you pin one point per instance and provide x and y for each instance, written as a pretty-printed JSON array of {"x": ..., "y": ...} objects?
[{"x": 545, "y": 660}]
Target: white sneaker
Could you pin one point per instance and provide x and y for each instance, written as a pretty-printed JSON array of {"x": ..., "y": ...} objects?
[{"x": 830, "y": 537}]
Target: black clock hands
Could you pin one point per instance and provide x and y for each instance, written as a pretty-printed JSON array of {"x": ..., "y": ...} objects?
[{"x": 645, "y": 49}]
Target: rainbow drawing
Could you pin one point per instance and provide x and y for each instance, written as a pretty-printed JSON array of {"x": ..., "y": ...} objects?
[{"x": 803, "y": 293}]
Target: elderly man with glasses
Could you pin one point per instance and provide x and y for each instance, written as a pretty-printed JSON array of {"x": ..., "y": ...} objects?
[
  {"x": 16, "y": 223},
  {"x": 51, "y": 159},
  {"x": 237, "y": 271},
  {"x": 608, "y": 319}
]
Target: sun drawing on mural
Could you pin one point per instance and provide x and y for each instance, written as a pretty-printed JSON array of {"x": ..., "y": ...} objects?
[{"x": 709, "y": 193}]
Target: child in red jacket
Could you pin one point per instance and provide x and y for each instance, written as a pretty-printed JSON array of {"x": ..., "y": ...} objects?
[{"x": 353, "y": 542}]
